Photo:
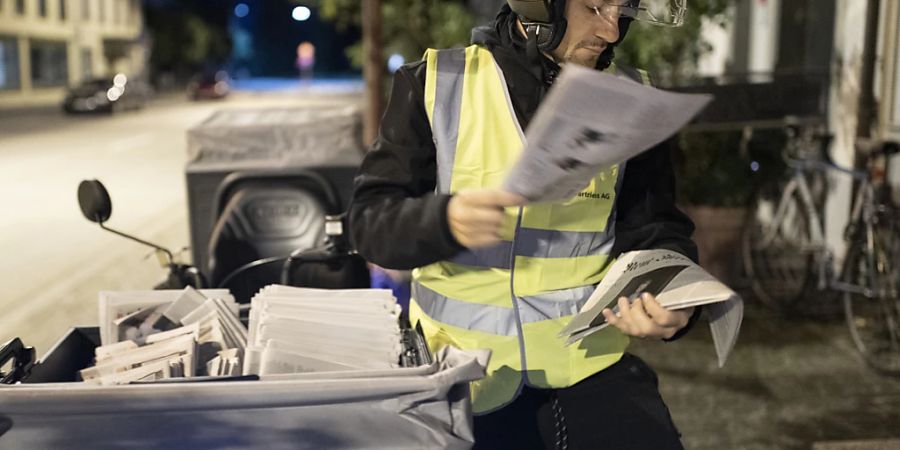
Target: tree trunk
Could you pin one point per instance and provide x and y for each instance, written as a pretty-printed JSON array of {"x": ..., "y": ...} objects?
[{"x": 372, "y": 69}]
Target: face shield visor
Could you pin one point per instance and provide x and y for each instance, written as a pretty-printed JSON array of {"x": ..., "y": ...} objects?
[{"x": 667, "y": 13}]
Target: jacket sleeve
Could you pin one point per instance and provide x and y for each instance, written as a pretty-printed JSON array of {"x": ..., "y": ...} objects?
[
  {"x": 646, "y": 214},
  {"x": 396, "y": 219}
]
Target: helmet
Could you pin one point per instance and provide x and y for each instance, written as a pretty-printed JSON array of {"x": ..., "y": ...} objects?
[{"x": 546, "y": 18}]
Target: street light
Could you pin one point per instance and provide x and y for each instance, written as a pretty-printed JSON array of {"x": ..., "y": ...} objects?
[
  {"x": 301, "y": 14},
  {"x": 241, "y": 10}
]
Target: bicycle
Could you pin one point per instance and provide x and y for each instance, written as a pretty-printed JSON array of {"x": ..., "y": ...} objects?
[{"x": 785, "y": 252}]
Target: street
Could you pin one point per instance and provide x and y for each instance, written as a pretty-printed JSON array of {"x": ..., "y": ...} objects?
[{"x": 54, "y": 261}]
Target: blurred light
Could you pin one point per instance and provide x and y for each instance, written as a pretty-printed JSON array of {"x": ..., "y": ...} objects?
[
  {"x": 306, "y": 56},
  {"x": 395, "y": 61},
  {"x": 221, "y": 88},
  {"x": 114, "y": 93},
  {"x": 241, "y": 10},
  {"x": 754, "y": 166},
  {"x": 301, "y": 13},
  {"x": 120, "y": 79}
]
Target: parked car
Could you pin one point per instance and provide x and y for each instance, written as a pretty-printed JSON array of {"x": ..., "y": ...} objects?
[
  {"x": 107, "y": 95},
  {"x": 209, "y": 86}
]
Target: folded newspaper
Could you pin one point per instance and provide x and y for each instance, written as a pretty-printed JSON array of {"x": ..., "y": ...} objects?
[
  {"x": 590, "y": 121},
  {"x": 676, "y": 281},
  {"x": 298, "y": 330},
  {"x": 156, "y": 335}
]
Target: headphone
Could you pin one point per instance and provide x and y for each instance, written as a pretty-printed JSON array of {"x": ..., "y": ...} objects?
[{"x": 546, "y": 20}]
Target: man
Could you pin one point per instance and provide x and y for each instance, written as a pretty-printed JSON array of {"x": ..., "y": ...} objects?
[{"x": 492, "y": 272}]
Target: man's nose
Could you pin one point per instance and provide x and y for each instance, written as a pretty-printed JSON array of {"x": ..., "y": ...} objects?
[{"x": 607, "y": 27}]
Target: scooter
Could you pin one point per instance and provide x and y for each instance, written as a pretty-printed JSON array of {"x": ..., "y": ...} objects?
[{"x": 301, "y": 267}]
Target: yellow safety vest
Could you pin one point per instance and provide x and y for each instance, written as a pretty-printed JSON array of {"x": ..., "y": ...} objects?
[{"x": 515, "y": 297}]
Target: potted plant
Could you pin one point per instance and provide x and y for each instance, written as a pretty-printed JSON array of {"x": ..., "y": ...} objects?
[{"x": 717, "y": 176}]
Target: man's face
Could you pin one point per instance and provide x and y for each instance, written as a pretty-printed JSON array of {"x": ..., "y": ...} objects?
[{"x": 593, "y": 25}]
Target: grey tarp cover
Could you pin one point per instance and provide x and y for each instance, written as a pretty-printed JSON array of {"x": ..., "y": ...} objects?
[
  {"x": 278, "y": 137},
  {"x": 420, "y": 408}
]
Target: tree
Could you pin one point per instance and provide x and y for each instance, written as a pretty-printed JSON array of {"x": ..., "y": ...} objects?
[
  {"x": 671, "y": 54},
  {"x": 184, "y": 39},
  {"x": 409, "y": 27}
]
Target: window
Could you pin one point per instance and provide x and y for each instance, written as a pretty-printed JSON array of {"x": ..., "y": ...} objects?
[
  {"x": 101, "y": 8},
  {"x": 9, "y": 63},
  {"x": 85, "y": 10},
  {"x": 49, "y": 63},
  {"x": 62, "y": 10},
  {"x": 20, "y": 7},
  {"x": 42, "y": 8}
]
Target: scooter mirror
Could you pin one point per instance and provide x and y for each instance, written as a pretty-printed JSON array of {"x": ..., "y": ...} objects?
[{"x": 94, "y": 201}]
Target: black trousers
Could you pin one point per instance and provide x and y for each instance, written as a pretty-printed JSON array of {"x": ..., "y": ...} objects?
[{"x": 618, "y": 408}]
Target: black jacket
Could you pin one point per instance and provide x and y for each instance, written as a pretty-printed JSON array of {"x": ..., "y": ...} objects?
[{"x": 398, "y": 221}]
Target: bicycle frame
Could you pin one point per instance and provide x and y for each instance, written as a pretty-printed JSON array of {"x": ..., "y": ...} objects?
[{"x": 862, "y": 212}]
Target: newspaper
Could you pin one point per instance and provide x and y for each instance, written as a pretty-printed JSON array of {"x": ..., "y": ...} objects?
[
  {"x": 127, "y": 315},
  {"x": 588, "y": 122},
  {"x": 155, "y": 335},
  {"x": 175, "y": 356},
  {"x": 676, "y": 281},
  {"x": 298, "y": 330}
]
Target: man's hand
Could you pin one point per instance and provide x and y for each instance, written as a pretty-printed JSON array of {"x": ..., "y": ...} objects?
[
  {"x": 476, "y": 216},
  {"x": 647, "y": 318}
]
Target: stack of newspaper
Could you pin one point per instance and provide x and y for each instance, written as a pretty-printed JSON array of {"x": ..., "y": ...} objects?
[
  {"x": 148, "y": 335},
  {"x": 294, "y": 330},
  {"x": 169, "y": 354}
]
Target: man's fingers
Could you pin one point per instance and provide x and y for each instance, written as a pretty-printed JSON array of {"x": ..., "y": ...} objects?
[
  {"x": 616, "y": 321},
  {"x": 641, "y": 321},
  {"x": 658, "y": 314},
  {"x": 624, "y": 306},
  {"x": 645, "y": 317},
  {"x": 482, "y": 216},
  {"x": 664, "y": 317},
  {"x": 610, "y": 316},
  {"x": 494, "y": 198}
]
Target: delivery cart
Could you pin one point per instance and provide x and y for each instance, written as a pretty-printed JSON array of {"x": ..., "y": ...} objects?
[{"x": 417, "y": 408}]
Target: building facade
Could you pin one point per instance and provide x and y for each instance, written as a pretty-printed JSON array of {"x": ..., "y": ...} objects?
[
  {"x": 854, "y": 44},
  {"x": 46, "y": 45}
]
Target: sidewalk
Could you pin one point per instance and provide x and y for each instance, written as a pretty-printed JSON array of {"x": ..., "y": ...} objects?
[{"x": 789, "y": 384}]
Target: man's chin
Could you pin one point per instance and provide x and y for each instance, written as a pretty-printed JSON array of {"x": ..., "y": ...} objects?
[{"x": 586, "y": 59}]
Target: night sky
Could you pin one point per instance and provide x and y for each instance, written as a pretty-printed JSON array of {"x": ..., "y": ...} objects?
[{"x": 267, "y": 37}]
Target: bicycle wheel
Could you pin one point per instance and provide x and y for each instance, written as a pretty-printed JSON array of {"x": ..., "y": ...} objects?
[
  {"x": 874, "y": 316},
  {"x": 778, "y": 255}
]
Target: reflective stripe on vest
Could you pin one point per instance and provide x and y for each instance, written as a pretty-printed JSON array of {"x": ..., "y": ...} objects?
[
  {"x": 514, "y": 297},
  {"x": 497, "y": 319},
  {"x": 540, "y": 244}
]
